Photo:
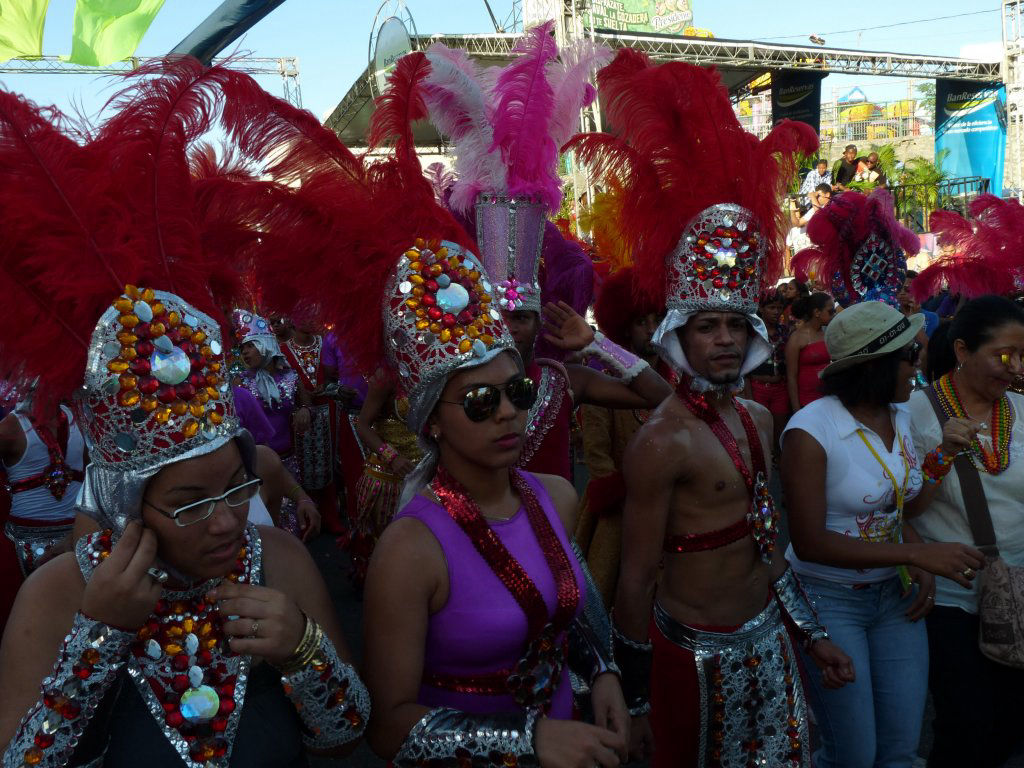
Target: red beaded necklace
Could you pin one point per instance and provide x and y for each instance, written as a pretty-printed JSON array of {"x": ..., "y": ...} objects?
[{"x": 1001, "y": 422}]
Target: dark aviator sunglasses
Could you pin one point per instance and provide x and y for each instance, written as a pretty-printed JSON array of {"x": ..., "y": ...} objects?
[{"x": 480, "y": 403}]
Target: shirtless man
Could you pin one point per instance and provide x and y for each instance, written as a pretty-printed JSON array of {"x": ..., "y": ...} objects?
[{"x": 691, "y": 507}]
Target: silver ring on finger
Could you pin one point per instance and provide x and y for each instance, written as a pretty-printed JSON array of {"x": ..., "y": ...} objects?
[
  {"x": 968, "y": 573},
  {"x": 255, "y": 631},
  {"x": 158, "y": 575}
]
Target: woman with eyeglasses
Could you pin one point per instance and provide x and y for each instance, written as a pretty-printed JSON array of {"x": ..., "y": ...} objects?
[
  {"x": 177, "y": 634},
  {"x": 851, "y": 476},
  {"x": 971, "y": 693}
]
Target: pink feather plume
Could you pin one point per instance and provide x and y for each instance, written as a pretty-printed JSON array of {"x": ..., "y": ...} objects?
[
  {"x": 570, "y": 79},
  {"x": 458, "y": 99},
  {"x": 524, "y": 107}
]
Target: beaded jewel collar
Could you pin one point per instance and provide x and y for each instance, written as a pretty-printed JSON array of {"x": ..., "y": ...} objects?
[{"x": 181, "y": 663}]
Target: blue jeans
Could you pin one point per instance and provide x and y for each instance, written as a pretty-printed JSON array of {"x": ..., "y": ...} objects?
[{"x": 874, "y": 722}]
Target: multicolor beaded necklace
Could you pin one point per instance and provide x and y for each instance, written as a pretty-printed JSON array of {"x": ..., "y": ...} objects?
[
  {"x": 182, "y": 665},
  {"x": 998, "y": 459}
]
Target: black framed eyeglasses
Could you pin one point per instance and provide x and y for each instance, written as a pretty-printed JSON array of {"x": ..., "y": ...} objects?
[
  {"x": 480, "y": 403},
  {"x": 911, "y": 353},
  {"x": 196, "y": 512}
]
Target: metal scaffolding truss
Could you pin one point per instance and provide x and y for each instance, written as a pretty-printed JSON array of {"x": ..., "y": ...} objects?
[
  {"x": 287, "y": 67},
  {"x": 745, "y": 54},
  {"x": 740, "y": 61}
]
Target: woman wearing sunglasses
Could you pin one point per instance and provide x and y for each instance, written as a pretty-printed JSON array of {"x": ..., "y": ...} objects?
[
  {"x": 851, "y": 474},
  {"x": 178, "y": 634}
]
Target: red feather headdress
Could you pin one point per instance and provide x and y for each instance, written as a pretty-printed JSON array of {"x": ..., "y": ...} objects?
[
  {"x": 88, "y": 215},
  {"x": 699, "y": 195},
  {"x": 860, "y": 246},
  {"x": 678, "y": 150},
  {"x": 390, "y": 268},
  {"x": 979, "y": 256}
]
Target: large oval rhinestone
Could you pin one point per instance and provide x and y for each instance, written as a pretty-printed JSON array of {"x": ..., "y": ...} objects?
[
  {"x": 170, "y": 368},
  {"x": 199, "y": 705},
  {"x": 453, "y": 299}
]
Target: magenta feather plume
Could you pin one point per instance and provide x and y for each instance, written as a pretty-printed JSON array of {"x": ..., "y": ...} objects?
[
  {"x": 524, "y": 106},
  {"x": 457, "y": 95},
  {"x": 570, "y": 79}
]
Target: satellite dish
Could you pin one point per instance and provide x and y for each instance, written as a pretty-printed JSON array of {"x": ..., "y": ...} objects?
[{"x": 393, "y": 35}]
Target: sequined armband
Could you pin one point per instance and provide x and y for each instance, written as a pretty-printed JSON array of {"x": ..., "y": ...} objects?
[
  {"x": 588, "y": 657},
  {"x": 331, "y": 700},
  {"x": 625, "y": 365},
  {"x": 634, "y": 659},
  {"x": 447, "y": 738},
  {"x": 794, "y": 602},
  {"x": 89, "y": 660}
]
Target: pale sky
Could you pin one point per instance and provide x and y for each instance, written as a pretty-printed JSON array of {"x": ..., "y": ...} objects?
[{"x": 330, "y": 37}]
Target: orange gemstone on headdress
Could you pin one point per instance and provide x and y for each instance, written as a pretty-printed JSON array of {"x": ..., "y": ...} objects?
[
  {"x": 198, "y": 337},
  {"x": 435, "y": 327},
  {"x": 442, "y": 252},
  {"x": 128, "y": 353},
  {"x": 158, "y": 309},
  {"x": 416, "y": 279},
  {"x": 126, "y": 338},
  {"x": 418, "y": 290},
  {"x": 214, "y": 417},
  {"x": 416, "y": 266},
  {"x": 436, "y": 269},
  {"x": 473, "y": 331},
  {"x": 157, "y": 329},
  {"x": 131, "y": 291},
  {"x": 163, "y": 415},
  {"x": 148, "y": 403},
  {"x": 206, "y": 351},
  {"x": 195, "y": 408},
  {"x": 487, "y": 339},
  {"x": 124, "y": 305},
  {"x": 148, "y": 295},
  {"x": 465, "y": 345},
  {"x": 173, "y": 319},
  {"x": 117, "y": 366},
  {"x": 128, "y": 321},
  {"x": 420, "y": 244},
  {"x": 190, "y": 429},
  {"x": 474, "y": 275},
  {"x": 412, "y": 303},
  {"x": 129, "y": 398},
  {"x": 446, "y": 336},
  {"x": 127, "y": 381},
  {"x": 213, "y": 393},
  {"x": 179, "y": 408}
]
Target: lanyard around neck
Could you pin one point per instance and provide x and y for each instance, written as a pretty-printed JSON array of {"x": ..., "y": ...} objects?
[{"x": 899, "y": 489}]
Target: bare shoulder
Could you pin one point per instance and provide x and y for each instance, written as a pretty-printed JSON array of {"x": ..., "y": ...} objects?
[
  {"x": 409, "y": 546},
  {"x": 563, "y": 496},
  {"x": 287, "y": 564},
  {"x": 49, "y": 597},
  {"x": 762, "y": 416},
  {"x": 664, "y": 443}
]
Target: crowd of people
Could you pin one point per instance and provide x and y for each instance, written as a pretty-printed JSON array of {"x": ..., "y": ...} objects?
[{"x": 212, "y": 358}]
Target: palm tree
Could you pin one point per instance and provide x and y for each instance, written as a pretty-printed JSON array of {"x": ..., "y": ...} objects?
[{"x": 921, "y": 178}]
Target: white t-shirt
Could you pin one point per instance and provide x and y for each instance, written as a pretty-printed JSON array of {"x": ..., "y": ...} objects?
[
  {"x": 945, "y": 518},
  {"x": 859, "y": 498}
]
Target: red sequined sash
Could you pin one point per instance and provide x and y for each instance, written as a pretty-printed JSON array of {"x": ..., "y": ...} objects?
[
  {"x": 309, "y": 382},
  {"x": 702, "y": 542},
  {"x": 464, "y": 511},
  {"x": 57, "y": 476},
  {"x": 699, "y": 407}
]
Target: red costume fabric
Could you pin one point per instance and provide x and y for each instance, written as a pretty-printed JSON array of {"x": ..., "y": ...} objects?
[{"x": 548, "y": 432}]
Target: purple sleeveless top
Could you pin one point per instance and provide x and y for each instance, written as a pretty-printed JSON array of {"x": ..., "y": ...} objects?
[{"x": 482, "y": 629}]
